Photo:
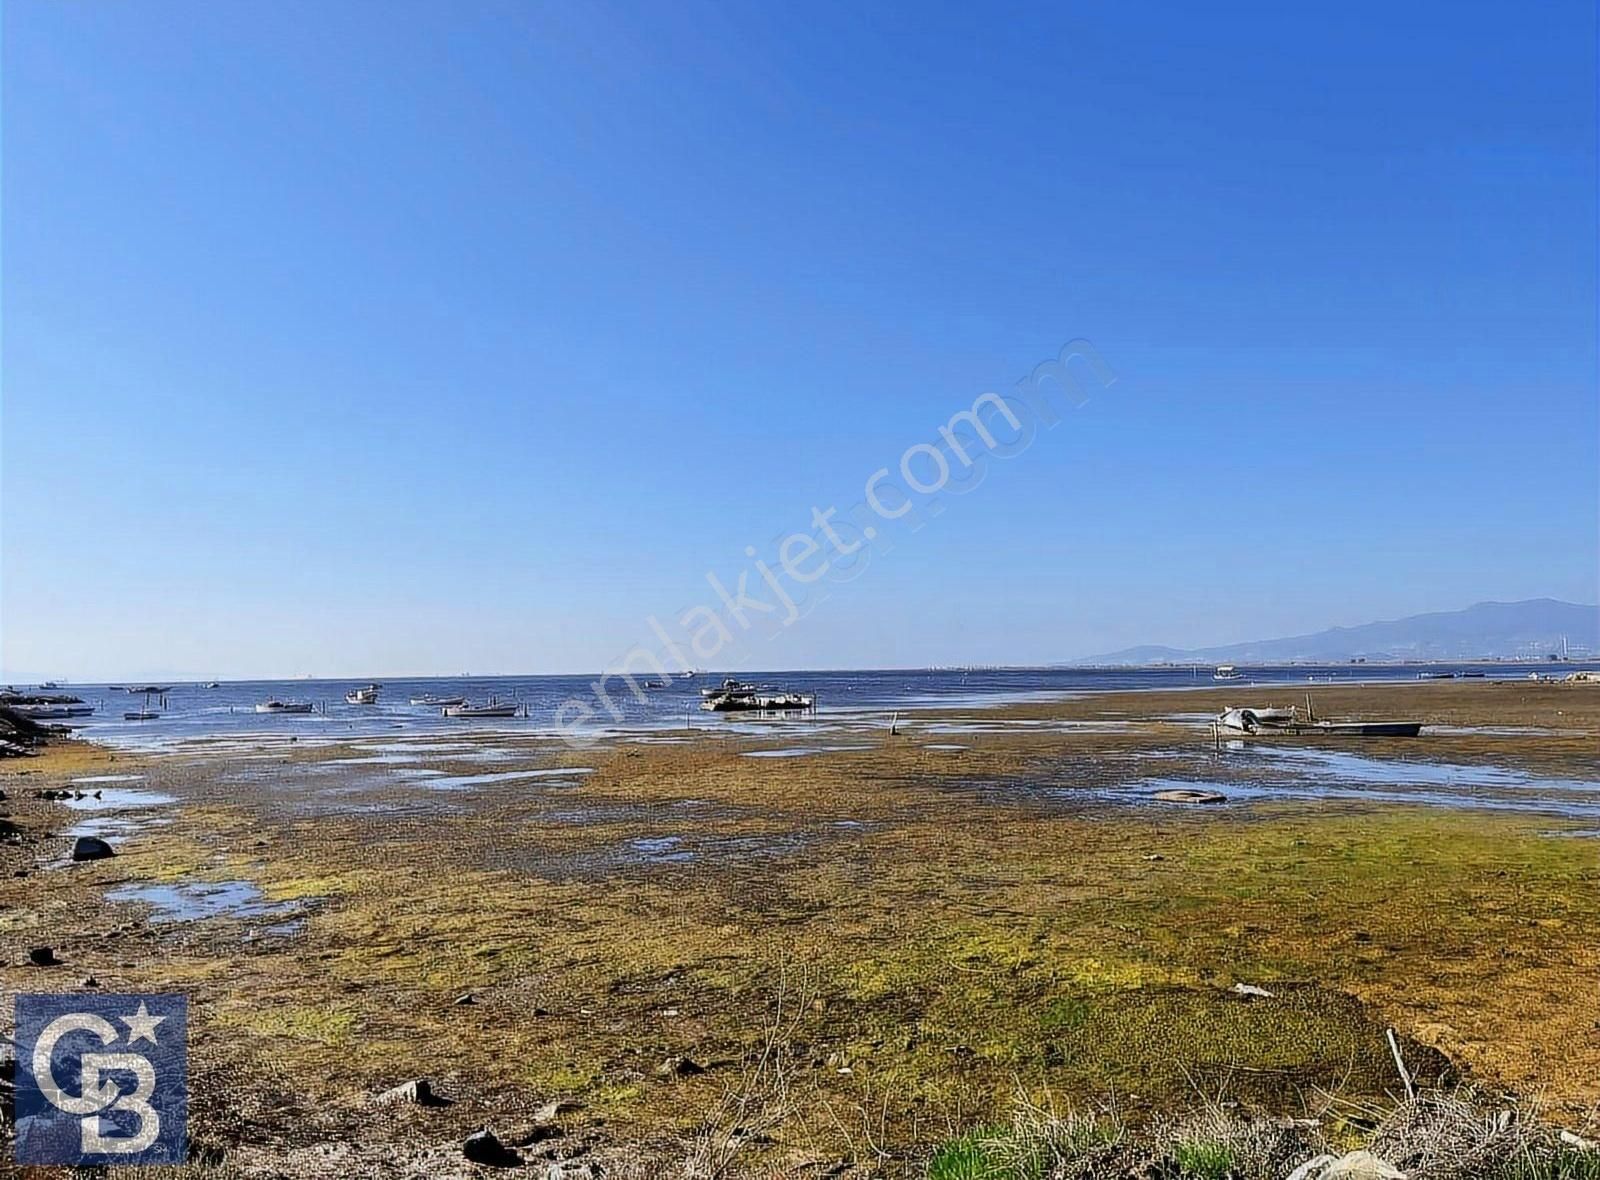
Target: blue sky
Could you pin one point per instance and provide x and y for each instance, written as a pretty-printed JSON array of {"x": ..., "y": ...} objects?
[{"x": 379, "y": 338}]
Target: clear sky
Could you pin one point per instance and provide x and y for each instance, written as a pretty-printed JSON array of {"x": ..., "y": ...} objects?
[{"x": 374, "y": 338}]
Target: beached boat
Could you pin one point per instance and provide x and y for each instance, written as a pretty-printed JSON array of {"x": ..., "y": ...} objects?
[
  {"x": 1251, "y": 720},
  {"x": 1365, "y": 728},
  {"x": 491, "y": 709},
  {"x": 363, "y": 696},
  {"x": 277, "y": 706},
  {"x": 1270, "y": 721},
  {"x": 434, "y": 702},
  {"x": 1226, "y": 672}
]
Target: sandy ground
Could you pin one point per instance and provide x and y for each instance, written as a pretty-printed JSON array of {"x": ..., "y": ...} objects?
[{"x": 828, "y": 961}]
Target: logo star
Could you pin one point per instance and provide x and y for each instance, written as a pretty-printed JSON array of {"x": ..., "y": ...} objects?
[{"x": 141, "y": 1025}]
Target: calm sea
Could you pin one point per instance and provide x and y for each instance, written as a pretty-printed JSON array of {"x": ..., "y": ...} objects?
[{"x": 192, "y": 711}]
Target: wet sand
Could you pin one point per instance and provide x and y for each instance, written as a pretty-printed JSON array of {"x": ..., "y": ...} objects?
[{"x": 991, "y": 900}]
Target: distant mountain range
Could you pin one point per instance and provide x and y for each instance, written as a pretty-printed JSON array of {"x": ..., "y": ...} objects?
[{"x": 1490, "y": 630}]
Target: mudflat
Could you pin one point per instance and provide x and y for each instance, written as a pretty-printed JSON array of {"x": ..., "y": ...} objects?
[{"x": 827, "y": 945}]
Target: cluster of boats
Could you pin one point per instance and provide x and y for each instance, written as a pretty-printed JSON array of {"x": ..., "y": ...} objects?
[
  {"x": 42, "y": 706},
  {"x": 367, "y": 694},
  {"x": 737, "y": 696}
]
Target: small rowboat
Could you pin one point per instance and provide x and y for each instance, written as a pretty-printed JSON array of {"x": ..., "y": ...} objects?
[
  {"x": 277, "y": 706},
  {"x": 492, "y": 709},
  {"x": 438, "y": 702}
]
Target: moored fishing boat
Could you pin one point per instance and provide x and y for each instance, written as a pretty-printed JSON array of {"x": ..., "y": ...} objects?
[
  {"x": 738, "y": 697},
  {"x": 367, "y": 695},
  {"x": 492, "y": 708},
  {"x": 432, "y": 701},
  {"x": 1226, "y": 672},
  {"x": 277, "y": 706}
]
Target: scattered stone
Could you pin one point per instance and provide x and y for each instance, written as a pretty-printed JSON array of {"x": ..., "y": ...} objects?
[
  {"x": 551, "y": 1111},
  {"x": 1251, "y": 991},
  {"x": 417, "y": 1092},
  {"x": 1579, "y": 1142},
  {"x": 483, "y": 1147},
  {"x": 43, "y": 956},
  {"x": 1153, "y": 856},
  {"x": 1183, "y": 795},
  {"x": 464, "y": 998},
  {"x": 669, "y": 1013},
  {"x": 570, "y": 1171},
  {"x": 679, "y": 1067},
  {"x": 90, "y": 982},
  {"x": 91, "y": 848}
]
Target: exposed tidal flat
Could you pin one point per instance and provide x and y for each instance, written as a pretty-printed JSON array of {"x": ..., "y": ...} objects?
[{"x": 874, "y": 942}]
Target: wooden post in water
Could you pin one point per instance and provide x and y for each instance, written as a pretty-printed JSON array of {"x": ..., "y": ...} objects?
[{"x": 894, "y": 725}]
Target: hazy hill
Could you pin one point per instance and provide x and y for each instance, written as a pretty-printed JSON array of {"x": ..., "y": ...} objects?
[{"x": 1488, "y": 630}]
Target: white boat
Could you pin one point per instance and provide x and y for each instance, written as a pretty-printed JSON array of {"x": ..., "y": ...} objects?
[
  {"x": 277, "y": 706},
  {"x": 729, "y": 687},
  {"x": 491, "y": 709},
  {"x": 1288, "y": 721},
  {"x": 737, "y": 697},
  {"x": 1250, "y": 720},
  {"x": 437, "y": 702},
  {"x": 1226, "y": 672},
  {"x": 363, "y": 696}
]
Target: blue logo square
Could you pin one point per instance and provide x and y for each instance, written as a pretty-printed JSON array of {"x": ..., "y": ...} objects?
[{"x": 102, "y": 1079}]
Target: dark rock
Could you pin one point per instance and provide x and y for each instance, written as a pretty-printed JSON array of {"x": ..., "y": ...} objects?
[
  {"x": 482, "y": 1147},
  {"x": 43, "y": 956},
  {"x": 90, "y": 982},
  {"x": 91, "y": 848},
  {"x": 679, "y": 1067}
]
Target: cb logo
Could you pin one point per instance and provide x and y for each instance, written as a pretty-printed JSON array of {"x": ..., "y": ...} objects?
[{"x": 101, "y": 1079}]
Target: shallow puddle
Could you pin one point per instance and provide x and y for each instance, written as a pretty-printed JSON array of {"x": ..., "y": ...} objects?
[
  {"x": 1339, "y": 766},
  {"x": 799, "y": 751},
  {"x": 195, "y": 900},
  {"x": 558, "y": 776},
  {"x": 111, "y": 797}
]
